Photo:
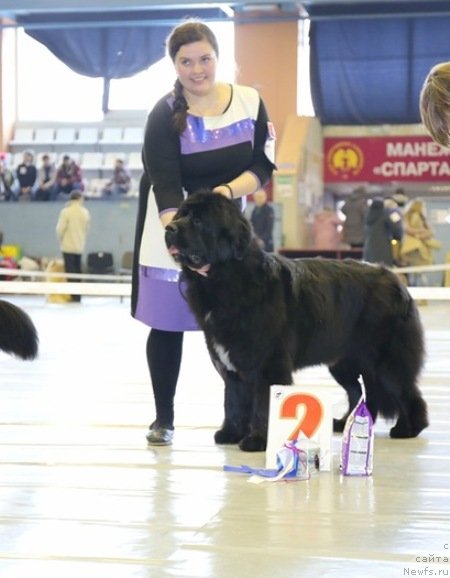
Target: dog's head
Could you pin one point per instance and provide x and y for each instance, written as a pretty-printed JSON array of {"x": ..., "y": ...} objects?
[{"x": 207, "y": 229}]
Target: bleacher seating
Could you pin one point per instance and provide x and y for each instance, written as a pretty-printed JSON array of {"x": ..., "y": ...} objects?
[
  {"x": 87, "y": 137},
  {"x": 16, "y": 159},
  {"x": 43, "y": 138},
  {"x": 111, "y": 137},
  {"x": 64, "y": 136},
  {"x": 23, "y": 138},
  {"x": 135, "y": 161},
  {"x": 94, "y": 146},
  {"x": 133, "y": 135},
  {"x": 92, "y": 161}
]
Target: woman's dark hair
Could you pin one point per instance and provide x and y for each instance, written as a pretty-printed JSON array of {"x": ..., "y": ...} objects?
[{"x": 186, "y": 33}]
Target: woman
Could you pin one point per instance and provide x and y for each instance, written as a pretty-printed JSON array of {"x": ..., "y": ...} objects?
[
  {"x": 205, "y": 134},
  {"x": 418, "y": 241}
]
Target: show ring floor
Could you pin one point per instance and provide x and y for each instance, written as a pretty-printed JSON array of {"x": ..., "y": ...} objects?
[{"x": 81, "y": 494}]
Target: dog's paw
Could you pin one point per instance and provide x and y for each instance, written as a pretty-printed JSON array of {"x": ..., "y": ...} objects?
[
  {"x": 338, "y": 425},
  {"x": 227, "y": 436},
  {"x": 399, "y": 431},
  {"x": 411, "y": 425},
  {"x": 404, "y": 429},
  {"x": 253, "y": 443}
]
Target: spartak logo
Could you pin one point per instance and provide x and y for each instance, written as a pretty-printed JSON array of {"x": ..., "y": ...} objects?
[{"x": 345, "y": 159}]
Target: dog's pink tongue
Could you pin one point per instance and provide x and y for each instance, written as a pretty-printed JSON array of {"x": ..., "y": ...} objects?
[
  {"x": 173, "y": 250},
  {"x": 203, "y": 270}
]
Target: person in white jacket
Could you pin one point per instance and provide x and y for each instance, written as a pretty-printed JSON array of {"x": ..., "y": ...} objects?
[{"x": 71, "y": 229}]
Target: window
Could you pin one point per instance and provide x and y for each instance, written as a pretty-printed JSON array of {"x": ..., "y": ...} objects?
[
  {"x": 49, "y": 90},
  {"x": 304, "y": 100}
]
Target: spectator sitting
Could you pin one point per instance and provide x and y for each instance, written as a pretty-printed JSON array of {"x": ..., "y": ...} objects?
[
  {"x": 26, "y": 174},
  {"x": 120, "y": 182},
  {"x": 46, "y": 180},
  {"x": 68, "y": 178},
  {"x": 6, "y": 181}
]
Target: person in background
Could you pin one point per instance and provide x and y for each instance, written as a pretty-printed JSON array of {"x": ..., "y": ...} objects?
[
  {"x": 72, "y": 229},
  {"x": 6, "y": 181},
  {"x": 383, "y": 225},
  {"x": 69, "y": 177},
  {"x": 394, "y": 205},
  {"x": 191, "y": 142},
  {"x": 46, "y": 181},
  {"x": 327, "y": 229},
  {"x": 355, "y": 211},
  {"x": 418, "y": 241},
  {"x": 400, "y": 199},
  {"x": 26, "y": 175},
  {"x": 120, "y": 182},
  {"x": 262, "y": 219}
]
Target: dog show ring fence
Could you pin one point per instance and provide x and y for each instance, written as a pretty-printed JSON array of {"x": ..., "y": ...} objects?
[{"x": 120, "y": 285}]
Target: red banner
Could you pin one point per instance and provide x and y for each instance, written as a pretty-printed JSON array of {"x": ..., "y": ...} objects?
[{"x": 384, "y": 159}]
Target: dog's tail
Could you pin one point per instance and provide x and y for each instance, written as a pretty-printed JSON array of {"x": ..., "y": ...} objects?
[{"x": 18, "y": 335}]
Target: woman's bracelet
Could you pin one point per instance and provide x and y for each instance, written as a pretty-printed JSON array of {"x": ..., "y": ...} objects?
[{"x": 229, "y": 189}]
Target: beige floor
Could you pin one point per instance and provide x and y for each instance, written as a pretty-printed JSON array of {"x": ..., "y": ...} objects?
[{"x": 82, "y": 496}]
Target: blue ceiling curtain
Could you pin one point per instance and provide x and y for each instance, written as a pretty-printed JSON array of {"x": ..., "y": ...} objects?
[
  {"x": 116, "y": 52},
  {"x": 112, "y": 44},
  {"x": 370, "y": 71}
]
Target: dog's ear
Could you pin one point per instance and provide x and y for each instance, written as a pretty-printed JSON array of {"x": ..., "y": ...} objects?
[
  {"x": 243, "y": 238},
  {"x": 234, "y": 235}
]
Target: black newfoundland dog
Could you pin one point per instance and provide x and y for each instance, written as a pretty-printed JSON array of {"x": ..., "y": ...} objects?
[
  {"x": 18, "y": 335},
  {"x": 265, "y": 316}
]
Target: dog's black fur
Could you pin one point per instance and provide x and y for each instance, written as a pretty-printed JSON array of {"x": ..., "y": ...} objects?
[
  {"x": 265, "y": 316},
  {"x": 18, "y": 335}
]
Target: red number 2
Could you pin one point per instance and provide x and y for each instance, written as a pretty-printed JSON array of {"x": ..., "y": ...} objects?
[{"x": 311, "y": 418}]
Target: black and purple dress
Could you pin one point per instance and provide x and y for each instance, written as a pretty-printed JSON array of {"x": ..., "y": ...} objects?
[{"x": 212, "y": 150}]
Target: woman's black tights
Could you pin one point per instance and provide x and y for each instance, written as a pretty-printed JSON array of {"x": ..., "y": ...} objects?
[{"x": 164, "y": 349}]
